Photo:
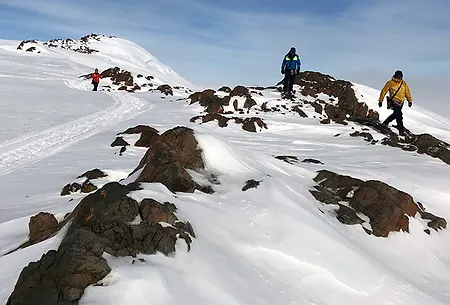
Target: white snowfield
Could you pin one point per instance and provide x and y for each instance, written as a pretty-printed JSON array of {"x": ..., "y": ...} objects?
[{"x": 269, "y": 245}]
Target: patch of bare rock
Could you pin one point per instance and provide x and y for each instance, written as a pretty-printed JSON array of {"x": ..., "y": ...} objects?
[
  {"x": 387, "y": 208},
  {"x": 107, "y": 221}
]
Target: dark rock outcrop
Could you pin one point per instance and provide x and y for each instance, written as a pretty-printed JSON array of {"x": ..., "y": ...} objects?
[
  {"x": 70, "y": 188},
  {"x": 167, "y": 160},
  {"x": 93, "y": 174},
  {"x": 422, "y": 144},
  {"x": 119, "y": 141},
  {"x": 313, "y": 83},
  {"x": 249, "y": 124},
  {"x": 41, "y": 226},
  {"x": 314, "y": 161},
  {"x": 104, "y": 222},
  {"x": 225, "y": 89},
  {"x": 299, "y": 111},
  {"x": 366, "y": 135},
  {"x": 387, "y": 208},
  {"x": 250, "y": 184},
  {"x": 23, "y": 42},
  {"x": 288, "y": 159},
  {"x": 148, "y": 138},
  {"x": 118, "y": 76},
  {"x": 139, "y": 129},
  {"x": 166, "y": 89}
]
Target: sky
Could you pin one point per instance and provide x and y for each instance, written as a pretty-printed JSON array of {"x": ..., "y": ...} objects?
[{"x": 214, "y": 43}]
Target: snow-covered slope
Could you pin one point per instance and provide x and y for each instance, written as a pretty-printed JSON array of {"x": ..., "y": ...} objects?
[{"x": 274, "y": 244}]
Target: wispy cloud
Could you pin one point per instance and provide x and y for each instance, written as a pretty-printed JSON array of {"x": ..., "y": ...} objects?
[{"x": 244, "y": 41}]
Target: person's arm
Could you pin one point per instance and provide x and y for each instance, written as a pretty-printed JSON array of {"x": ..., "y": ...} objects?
[
  {"x": 383, "y": 92},
  {"x": 298, "y": 64},
  {"x": 407, "y": 93},
  {"x": 283, "y": 65}
]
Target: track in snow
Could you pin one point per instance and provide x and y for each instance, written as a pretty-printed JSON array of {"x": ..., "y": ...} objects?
[{"x": 32, "y": 147}]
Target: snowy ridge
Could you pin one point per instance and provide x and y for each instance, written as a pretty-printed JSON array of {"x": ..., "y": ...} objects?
[{"x": 269, "y": 245}]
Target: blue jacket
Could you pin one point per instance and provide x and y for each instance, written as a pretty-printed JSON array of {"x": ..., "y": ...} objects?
[{"x": 291, "y": 63}]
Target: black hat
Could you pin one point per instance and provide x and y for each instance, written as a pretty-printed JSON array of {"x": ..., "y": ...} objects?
[
  {"x": 398, "y": 74},
  {"x": 292, "y": 50}
]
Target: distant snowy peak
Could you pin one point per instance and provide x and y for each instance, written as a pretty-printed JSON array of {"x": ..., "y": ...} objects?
[
  {"x": 81, "y": 45},
  {"x": 105, "y": 52}
]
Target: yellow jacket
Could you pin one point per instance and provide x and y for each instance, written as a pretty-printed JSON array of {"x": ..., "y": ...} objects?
[{"x": 392, "y": 86}]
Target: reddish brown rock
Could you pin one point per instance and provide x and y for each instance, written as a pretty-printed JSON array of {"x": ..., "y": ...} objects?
[{"x": 41, "y": 226}]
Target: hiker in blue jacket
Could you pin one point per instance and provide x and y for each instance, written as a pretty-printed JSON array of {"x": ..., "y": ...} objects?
[{"x": 290, "y": 67}]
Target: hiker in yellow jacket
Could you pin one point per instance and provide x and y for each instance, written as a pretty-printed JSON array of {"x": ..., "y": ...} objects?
[{"x": 398, "y": 91}]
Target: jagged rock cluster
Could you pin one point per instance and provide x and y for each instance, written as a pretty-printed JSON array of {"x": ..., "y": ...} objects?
[{"x": 387, "y": 208}]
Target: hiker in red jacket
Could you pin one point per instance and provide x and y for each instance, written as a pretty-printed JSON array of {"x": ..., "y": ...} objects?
[{"x": 95, "y": 79}]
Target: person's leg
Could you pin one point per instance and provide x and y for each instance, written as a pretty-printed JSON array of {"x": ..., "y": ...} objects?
[
  {"x": 286, "y": 81},
  {"x": 291, "y": 81},
  {"x": 399, "y": 117},
  {"x": 95, "y": 86},
  {"x": 389, "y": 119}
]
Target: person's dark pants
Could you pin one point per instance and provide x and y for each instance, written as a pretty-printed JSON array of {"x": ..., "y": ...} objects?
[
  {"x": 95, "y": 86},
  {"x": 396, "y": 115},
  {"x": 289, "y": 77}
]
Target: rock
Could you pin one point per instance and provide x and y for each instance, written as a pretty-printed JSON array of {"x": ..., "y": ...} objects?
[
  {"x": 250, "y": 184},
  {"x": 140, "y": 76},
  {"x": 288, "y": 159},
  {"x": 240, "y": 91},
  {"x": 225, "y": 89},
  {"x": 150, "y": 77},
  {"x": 325, "y": 121},
  {"x": 23, "y": 42},
  {"x": 348, "y": 216},
  {"x": 123, "y": 88},
  {"x": 248, "y": 124},
  {"x": 312, "y": 161},
  {"x": 119, "y": 141},
  {"x": 31, "y": 49},
  {"x": 166, "y": 89},
  {"x": 317, "y": 107},
  {"x": 436, "y": 223},
  {"x": 88, "y": 187},
  {"x": 299, "y": 111},
  {"x": 153, "y": 212},
  {"x": 423, "y": 144},
  {"x": 313, "y": 83},
  {"x": 41, "y": 226},
  {"x": 211, "y": 102},
  {"x": 366, "y": 135},
  {"x": 249, "y": 103},
  {"x": 100, "y": 224},
  {"x": 118, "y": 77},
  {"x": 139, "y": 129},
  {"x": 70, "y": 188},
  {"x": 93, "y": 174},
  {"x": 167, "y": 160},
  {"x": 122, "y": 150},
  {"x": 148, "y": 138},
  {"x": 222, "y": 121},
  {"x": 387, "y": 208}
]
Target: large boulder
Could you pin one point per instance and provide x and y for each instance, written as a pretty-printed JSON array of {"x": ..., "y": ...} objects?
[
  {"x": 118, "y": 76},
  {"x": 168, "y": 159},
  {"x": 107, "y": 221},
  {"x": 41, "y": 226},
  {"x": 387, "y": 208}
]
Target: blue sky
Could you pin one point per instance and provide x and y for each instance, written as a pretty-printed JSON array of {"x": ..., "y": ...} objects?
[{"x": 243, "y": 42}]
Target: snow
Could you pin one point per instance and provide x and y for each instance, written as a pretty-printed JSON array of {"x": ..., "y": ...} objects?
[{"x": 274, "y": 244}]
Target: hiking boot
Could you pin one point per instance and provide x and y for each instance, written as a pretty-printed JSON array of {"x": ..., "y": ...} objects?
[{"x": 402, "y": 133}]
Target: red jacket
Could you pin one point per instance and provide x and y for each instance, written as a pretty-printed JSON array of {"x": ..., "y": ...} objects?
[{"x": 96, "y": 77}]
